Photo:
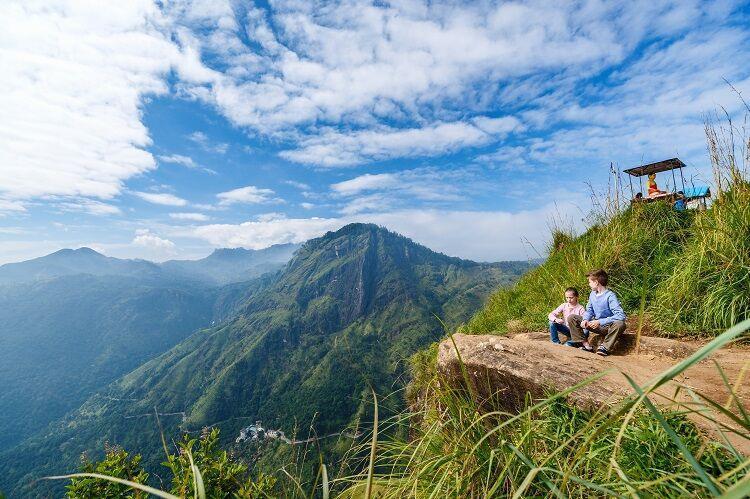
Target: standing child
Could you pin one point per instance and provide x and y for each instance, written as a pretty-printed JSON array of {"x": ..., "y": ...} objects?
[
  {"x": 570, "y": 307},
  {"x": 604, "y": 315}
]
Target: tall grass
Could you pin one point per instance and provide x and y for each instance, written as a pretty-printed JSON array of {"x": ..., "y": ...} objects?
[
  {"x": 644, "y": 236},
  {"x": 690, "y": 270},
  {"x": 709, "y": 288},
  {"x": 633, "y": 449}
]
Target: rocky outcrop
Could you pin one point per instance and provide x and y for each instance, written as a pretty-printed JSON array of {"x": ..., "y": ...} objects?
[
  {"x": 503, "y": 372},
  {"x": 507, "y": 370}
]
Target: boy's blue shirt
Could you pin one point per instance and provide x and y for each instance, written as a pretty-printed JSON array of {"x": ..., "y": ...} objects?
[{"x": 605, "y": 308}]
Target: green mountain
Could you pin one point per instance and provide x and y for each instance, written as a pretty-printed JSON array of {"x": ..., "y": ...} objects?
[
  {"x": 72, "y": 262},
  {"x": 303, "y": 348},
  {"x": 223, "y": 266},
  {"x": 75, "y": 320},
  {"x": 64, "y": 338},
  {"x": 228, "y": 265}
]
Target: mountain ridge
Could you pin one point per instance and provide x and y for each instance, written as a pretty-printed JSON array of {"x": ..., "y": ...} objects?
[
  {"x": 222, "y": 266},
  {"x": 343, "y": 315}
]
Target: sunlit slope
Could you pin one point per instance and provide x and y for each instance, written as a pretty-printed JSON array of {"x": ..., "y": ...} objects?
[{"x": 690, "y": 271}]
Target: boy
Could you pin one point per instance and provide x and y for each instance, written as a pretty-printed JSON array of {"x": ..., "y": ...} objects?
[
  {"x": 604, "y": 315},
  {"x": 569, "y": 307}
]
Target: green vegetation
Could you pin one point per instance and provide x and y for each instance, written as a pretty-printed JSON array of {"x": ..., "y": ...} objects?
[
  {"x": 451, "y": 448},
  {"x": 198, "y": 468},
  {"x": 690, "y": 269},
  {"x": 550, "y": 449},
  {"x": 683, "y": 273},
  {"x": 63, "y": 339},
  {"x": 116, "y": 463},
  {"x": 74, "y": 321},
  {"x": 308, "y": 347},
  {"x": 302, "y": 350}
]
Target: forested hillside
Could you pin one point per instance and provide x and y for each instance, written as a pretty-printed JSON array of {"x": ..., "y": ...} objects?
[
  {"x": 62, "y": 339},
  {"x": 303, "y": 348}
]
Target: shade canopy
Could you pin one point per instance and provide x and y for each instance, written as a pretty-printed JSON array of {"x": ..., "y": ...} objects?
[
  {"x": 697, "y": 192},
  {"x": 659, "y": 166}
]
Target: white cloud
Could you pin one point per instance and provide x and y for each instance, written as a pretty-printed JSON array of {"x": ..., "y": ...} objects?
[
  {"x": 207, "y": 207},
  {"x": 504, "y": 235},
  {"x": 147, "y": 239},
  {"x": 90, "y": 206},
  {"x": 162, "y": 198},
  {"x": 195, "y": 217},
  {"x": 354, "y": 82},
  {"x": 366, "y": 182},
  {"x": 376, "y": 192},
  {"x": 14, "y": 206},
  {"x": 307, "y": 206},
  {"x": 299, "y": 185},
  {"x": 74, "y": 76},
  {"x": 401, "y": 60},
  {"x": 179, "y": 159},
  {"x": 205, "y": 143},
  {"x": 185, "y": 161},
  {"x": 346, "y": 149},
  {"x": 260, "y": 234},
  {"x": 247, "y": 195}
]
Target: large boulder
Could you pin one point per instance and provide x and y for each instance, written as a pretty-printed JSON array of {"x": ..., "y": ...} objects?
[
  {"x": 504, "y": 372},
  {"x": 510, "y": 369}
]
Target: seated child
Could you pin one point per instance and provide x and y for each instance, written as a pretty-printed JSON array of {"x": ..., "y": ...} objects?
[
  {"x": 557, "y": 324},
  {"x": 604, "y": 315}
]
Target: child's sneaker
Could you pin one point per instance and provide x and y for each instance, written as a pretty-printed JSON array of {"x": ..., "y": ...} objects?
[
  {"x": 586, "y": 347},
  {"x": 574, "y": 344},
  {"x": 602, "y": 351}
]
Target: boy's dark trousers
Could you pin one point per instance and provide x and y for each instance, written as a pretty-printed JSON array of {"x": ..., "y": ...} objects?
[{"x": 611, "y": 331}]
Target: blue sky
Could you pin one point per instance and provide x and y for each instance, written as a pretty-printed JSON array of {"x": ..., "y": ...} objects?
[{"x": 163, "y": 130}]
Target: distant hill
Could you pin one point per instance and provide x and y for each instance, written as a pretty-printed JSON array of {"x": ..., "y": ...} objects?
[
  {"x": 63, "y": 338},
  {"x": 223, "y": 266},
  {"x": 303, "y": 347},
  {"x": 74, "y": 261},
  {"x": 228, "y": 265},
  {"x": 75, "y": 320}
]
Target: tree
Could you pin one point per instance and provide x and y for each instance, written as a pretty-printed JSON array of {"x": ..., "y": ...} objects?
[
  {"x": 222, "y": 475},
  {"x": 116, "y": 463}
]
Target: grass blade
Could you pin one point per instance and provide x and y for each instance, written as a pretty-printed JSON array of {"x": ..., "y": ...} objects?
[
  {"x": 138, "y": 486},
  {"x": 199, "y": 491},
  {"x": 710, "y": 485},
  {"x": 371, "y": 466},
  {"x": 325, "y": 481}
]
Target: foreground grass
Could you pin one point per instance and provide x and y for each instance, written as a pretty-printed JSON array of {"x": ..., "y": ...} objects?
[
  {"x": 552, "y": 449},
  {"x": 455, "y": 449}
]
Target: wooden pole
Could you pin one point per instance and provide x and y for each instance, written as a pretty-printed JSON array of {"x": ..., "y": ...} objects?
[
  {"x": 630, "y": 180},
  {"x": 683, "y": 181}
]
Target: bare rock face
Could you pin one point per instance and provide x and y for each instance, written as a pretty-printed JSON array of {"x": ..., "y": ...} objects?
[{"x": 507, "y": 370}]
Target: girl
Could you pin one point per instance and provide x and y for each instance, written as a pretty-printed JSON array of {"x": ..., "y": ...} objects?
[{"x": 570, "y": 307}]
